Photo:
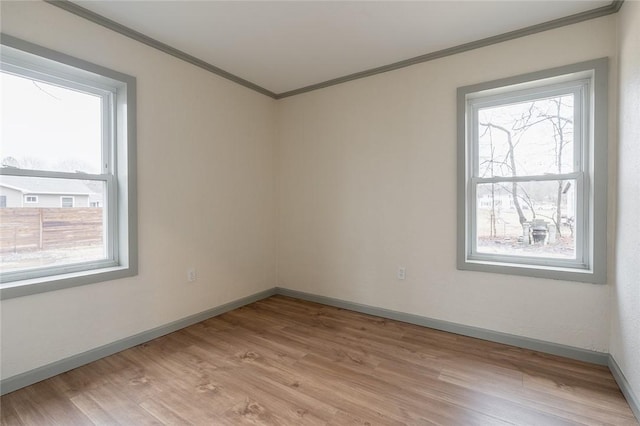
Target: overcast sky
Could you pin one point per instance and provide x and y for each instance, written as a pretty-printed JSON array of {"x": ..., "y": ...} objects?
[{"x": 49, "y": 125}]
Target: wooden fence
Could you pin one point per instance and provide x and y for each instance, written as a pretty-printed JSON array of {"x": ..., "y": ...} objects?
[{"x": 27, "y": 229}]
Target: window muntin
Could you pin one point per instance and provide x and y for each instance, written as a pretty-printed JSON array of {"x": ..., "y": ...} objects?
[
  {"x": 533, "y": 174},
  {"x": 102, "y": 187}
]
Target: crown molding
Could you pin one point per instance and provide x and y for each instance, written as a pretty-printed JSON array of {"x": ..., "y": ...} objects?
[
  {"x": 138, "y": 36},
  {"x": 522, "y": 32},
  {"x": 71, "y": 7}
]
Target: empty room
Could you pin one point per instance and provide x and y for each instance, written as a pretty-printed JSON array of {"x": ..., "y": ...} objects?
[{"x": 320, "y": 212}]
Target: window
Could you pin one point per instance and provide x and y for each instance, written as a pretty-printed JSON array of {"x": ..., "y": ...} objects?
[
  {"x": 533, "y": 174},
  {"x": 66, "y": 202},
  {"x": 68, "y": 127}
]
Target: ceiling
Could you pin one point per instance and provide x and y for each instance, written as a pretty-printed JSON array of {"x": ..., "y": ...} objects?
[{"x": 283, "y": 46}]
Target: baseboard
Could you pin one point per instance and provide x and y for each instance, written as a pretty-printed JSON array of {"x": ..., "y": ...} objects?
[
  {"x": 465, "y": 330},
  {"x": 623, "y": 384},
  {"x": 18, "y": 381}
]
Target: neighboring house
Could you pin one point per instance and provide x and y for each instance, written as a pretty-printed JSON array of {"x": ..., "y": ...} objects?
[{"x": 18, "y": 191}]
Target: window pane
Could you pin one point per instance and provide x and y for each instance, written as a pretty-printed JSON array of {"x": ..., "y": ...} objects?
[
  {"x": 527, "y": 219},
  {"x": 47, "y": 127},
  {"x": 67, "y": 202},
  {"x": 46, "y": 233},
  {"x": 527, "y": 138}
]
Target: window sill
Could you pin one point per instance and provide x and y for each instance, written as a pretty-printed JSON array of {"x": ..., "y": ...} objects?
[
  {"x": 32, "y": 286},
  {"x": 534, "y": 271}
]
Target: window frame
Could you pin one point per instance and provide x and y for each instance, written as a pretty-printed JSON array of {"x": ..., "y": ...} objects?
[
  {"x": 118, "y": 94},
  {"x": 73, "y": 202},
  {"x": 27, "y": 201},
  {"x": 589, "y": 81}
]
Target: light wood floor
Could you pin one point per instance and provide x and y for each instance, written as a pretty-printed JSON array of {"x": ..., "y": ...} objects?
[{"x": 290, "y": 362}]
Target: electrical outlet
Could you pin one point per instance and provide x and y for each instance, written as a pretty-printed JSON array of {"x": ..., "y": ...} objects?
[
  {"x": 402, "y": 273},
  {"x": 191, "y": 275}
]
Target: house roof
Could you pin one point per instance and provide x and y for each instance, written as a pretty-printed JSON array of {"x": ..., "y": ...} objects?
[{"x": 30, "y": 185}]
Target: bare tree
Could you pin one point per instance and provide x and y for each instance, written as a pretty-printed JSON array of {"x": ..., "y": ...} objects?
[
  {"x": 512, "y": 165},
  {"x": 492, "y": 217},
  {"x": 516, "y": 127},
  {"x": 560, "y": 131}
]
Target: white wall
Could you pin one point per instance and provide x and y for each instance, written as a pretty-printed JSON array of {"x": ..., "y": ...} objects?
[
  {"x": 625, "y": 312},
  {"x": 14, "y": 197},
  {"x": 367, "y": 182},
  {"x": 206, "y": 198}
]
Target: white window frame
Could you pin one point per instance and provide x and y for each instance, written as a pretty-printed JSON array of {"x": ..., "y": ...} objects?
[
  {"x": 117, "y": 92},
  {"x": 73, "y": 201},
  {"x": 587, "y": 81},
  {"x": 34, "y": 201}
]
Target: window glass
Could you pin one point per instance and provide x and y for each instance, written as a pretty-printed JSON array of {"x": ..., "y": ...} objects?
[
  {"x": 527, "y": 219},
  {"x": 526, "y": 138},
  {"x": 48, "y": 127},
  {"x": 60, "y": 230}
]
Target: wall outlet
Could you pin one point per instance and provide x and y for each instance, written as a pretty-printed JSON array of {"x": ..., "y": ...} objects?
[
  {"x": 402, "y": 273},
  {"x": 191, "y": 275}
]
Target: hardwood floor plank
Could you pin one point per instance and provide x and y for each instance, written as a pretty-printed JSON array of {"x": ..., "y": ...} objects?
[
  {"x": 544, "y": 402},
  {"x": 163, "y": 413},
  {"x": 94, "y": 412},
  {"x": 282, "y": 361},
  {"x": 27, "y": 412},
  {"x": 365, "y": 388},
  {"x": 118, "y": 404},
  {"x": 8, "y": 413}
]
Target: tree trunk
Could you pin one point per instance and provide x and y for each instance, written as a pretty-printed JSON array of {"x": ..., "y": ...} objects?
[
  {"x": 559, "y": 208},
  {"x": 514, "y": 185},
  {"x": 560, "y": 129}
]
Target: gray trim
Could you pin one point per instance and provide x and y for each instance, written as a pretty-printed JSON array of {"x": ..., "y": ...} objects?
[
  {"x": 625, "y": 387},
  {"x": 617, "y": 4},
  {"x": 127, "y": 225},
  {"x": 21, "y": 380},
  {"x": 18, "y": 381},
  {"x": 54, "y": 55},
  {"x": 131, "y": 175},
  {"x": 461, "y": 174},
  {"x": 600, "y": 172},
  {"x": 450, "y": 327},
  {"x": 135, "y": 35},
  {"x": 596, "y": 169},
  {"x": 60, "y": 282},
  {"x": 533, "y": 29}
]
